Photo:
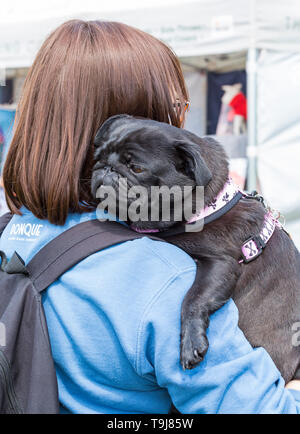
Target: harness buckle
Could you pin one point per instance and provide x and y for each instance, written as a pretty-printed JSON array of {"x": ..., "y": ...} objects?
[
  {"x": 256, "y": 196},
  {"x": 252, "y": 248}
]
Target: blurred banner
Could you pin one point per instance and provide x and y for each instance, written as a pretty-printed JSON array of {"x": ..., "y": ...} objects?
[
  {"x": 189, "y": 27},
  {"x": 7, "y": 117},
  {"x": 278, "y": 24},
  {"x": 6, "y": 127}
]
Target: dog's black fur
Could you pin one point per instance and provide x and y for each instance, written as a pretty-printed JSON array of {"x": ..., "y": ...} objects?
[{"x": 266, "y": 291}]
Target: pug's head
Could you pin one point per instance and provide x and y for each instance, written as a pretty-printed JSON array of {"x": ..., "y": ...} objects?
[{"x": 135, "y": 157}]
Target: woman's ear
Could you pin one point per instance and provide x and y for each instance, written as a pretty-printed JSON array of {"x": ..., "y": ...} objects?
[{"x": 193, "y": 163}]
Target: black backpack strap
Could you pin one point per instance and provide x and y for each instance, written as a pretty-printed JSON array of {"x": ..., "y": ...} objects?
[
  {"x": 4, "y": 220},
  {"x": 74, "y": 245}
]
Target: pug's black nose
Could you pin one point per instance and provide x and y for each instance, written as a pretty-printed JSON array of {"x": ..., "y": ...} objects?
[{"x": 110, "y": 177}]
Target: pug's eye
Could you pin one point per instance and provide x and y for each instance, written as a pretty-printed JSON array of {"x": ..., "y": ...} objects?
[
  {"x": 127, "y": 159},
  {"x": 136, "y": 169}
]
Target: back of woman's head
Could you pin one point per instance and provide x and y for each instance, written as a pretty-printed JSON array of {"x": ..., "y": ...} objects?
[{"x": 84, "y": 73}]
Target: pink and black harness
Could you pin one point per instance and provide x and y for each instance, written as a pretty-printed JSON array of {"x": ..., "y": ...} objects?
[{"x": 226, "y": 200}]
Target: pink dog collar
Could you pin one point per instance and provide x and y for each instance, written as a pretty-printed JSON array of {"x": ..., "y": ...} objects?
[
  {"x": 225, "y": 200},
  {"x": 229, "y": 194}
]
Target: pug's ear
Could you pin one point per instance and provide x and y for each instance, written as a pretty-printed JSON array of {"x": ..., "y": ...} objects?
[
  {"x": 104, "y": 129},
  {"x": 193, "y": 163}
]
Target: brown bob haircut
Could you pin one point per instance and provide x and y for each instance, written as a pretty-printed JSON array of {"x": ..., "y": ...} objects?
[{"x": 85, "y": 72}]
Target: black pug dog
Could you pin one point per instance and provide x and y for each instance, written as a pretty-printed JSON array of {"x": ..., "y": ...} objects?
[{"x": 266, "y": 291}]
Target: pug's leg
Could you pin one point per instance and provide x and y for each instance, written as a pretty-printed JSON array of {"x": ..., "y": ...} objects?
[{"x": 214, "y": 284}]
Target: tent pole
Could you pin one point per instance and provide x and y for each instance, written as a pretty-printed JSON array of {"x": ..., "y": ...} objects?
[
  {"x": 252, "y": 120},
  {"x": 252, "y": 100}
]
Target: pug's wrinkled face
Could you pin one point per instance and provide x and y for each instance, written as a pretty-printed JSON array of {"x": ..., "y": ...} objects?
[{"x": 137, "y": 154}]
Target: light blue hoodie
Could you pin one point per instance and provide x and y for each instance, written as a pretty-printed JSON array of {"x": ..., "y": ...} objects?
[{"x": 114, "y": 325}]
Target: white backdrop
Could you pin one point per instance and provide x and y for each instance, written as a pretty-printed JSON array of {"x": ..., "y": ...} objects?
[
  {"x": 278, "y": 115},
  {"x": 196, "y": 117}
]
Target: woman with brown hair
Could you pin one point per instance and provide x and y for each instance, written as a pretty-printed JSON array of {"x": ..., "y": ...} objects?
[{"x": 114, "y": 318}]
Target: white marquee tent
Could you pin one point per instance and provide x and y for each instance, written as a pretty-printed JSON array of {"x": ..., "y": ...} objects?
[{"x": 267, "y": 30}]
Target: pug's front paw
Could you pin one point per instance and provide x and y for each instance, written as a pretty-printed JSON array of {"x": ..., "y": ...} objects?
[{"x": 194, "y": 343}]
